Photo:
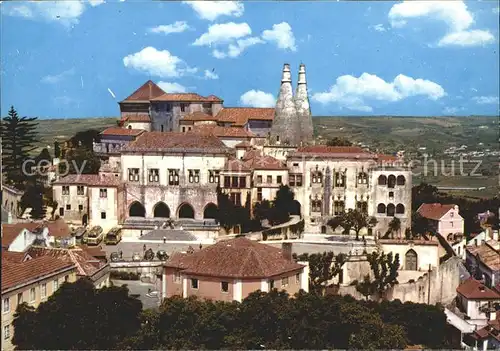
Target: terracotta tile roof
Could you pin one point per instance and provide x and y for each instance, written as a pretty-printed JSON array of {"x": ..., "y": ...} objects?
[
  {"x": 334, "y": 152},
  {"x": 13, "y": 190},
  {"x": 136, "y": 117},
  {"x": 94, "y": 251},
  {"x": 199, "y": 116},
  {"x": 176, "y": 143},
  {"x": 86, "y": 264},
  {"x": 58, "y": 228},
  {"x": 122, "y": 131},
  {"x": 15, "y": 274},
  {"x": 241, "y": 115},
  {"x": 235, "y": 165},
  {"x": 146, "y": 92},
  {"x": 387, "y": 158},
  {"x": 222, "y": 132},
  {"x": 475, "y": 290},
  {"x": 487, "y": 253},
  {"x": 235, "y": 258},
  {"x": 11, "y": 231},
  {"x": 264, "y": 162},
  {"x": 214, "y": 98},
  {"x": 186, "y": 97},
  {"x": 91, "y": 180},
  {"x": 15, "y": 257},
  {"x": 434, "y": 211}
]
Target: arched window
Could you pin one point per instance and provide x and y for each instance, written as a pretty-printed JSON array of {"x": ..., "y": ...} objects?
[
  {"x": 129, "y": 126},
  {"x": 400, "y": 180},
  {"x": 411, "y": 260},
  {"x": 391, "y": 209},
  {"x": 381, "y": 208},
  {"x": 391, "y": 181},
  {"x": 362, "y": 206},
  {"x": 400, "y": 209},
  {"x": 186, "y": 211},
  {"x": 137, "y": 210},
  {"x": 210, "y": 211},
  {"x": 161, "y": 210},
  {"x": 382, "y": 180}
]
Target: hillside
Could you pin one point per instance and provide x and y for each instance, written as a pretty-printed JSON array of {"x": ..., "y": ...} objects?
[{"x": 382, "y": 134}]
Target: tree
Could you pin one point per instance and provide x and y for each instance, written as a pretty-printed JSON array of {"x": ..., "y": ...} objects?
[
  {"x": 338, "y": 141},
  {"x": 105, "y": 317},
  {"x": 33, "y": 198},
  {"x": 353, "y": 219},
  {"x": 57, "y": 149},
  {"x": 18, "y": 136},
  {"x": 85, "y": 139},
  {"x": 45, "y": 156},
  {"x": 366, "y": 287},
  {"x": 385, "y": 271},
  {"x": 81, "y": 161},
  {"x": 283, "y": 204},
  {"x": 323, "y": 267},
  {"x": 395, "y": 226},
  {"x": 419, "y": 224},
  {"x": 261, "y": 210}
]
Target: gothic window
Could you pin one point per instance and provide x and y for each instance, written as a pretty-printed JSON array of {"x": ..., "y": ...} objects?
[
  {"x": 391, "y": 181},
  {"x": 382, "y": 180},
  {"x": 400, "y": 180},
  {"x": 316, "y": 205},
  {"x": 65, "y": 189},
  {"x": 338, "y": 208},
  {"x": 317, "y": 177},
  {"x": 173, "y": 177},
  {"x": 133, "y": 174},
  {"x": 154, "y": 175},
  {"x": 194, "y": 175},
  {"x": 362, "y": 178},
  {"x": 381, "y": 208},
  {"x": 295, "y": 180},
  {"x": 103, "y": 193},
  {"x": 400, "y": 209},
  {"x": 411, "y": 260},
  {"x": 362, "y": 206},
  {"x": 340, "y": 179},
  {"x": 79, "y": 190},
  {"x": 213, "y": 176}
]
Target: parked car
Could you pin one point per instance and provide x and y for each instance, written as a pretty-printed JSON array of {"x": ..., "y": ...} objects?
[{"x": 136, "y": 256}]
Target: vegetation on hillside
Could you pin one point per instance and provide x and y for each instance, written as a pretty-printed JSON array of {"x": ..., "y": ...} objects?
[{"x": 110, "y": 319}]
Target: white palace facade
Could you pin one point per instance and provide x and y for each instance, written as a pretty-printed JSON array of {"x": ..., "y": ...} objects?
[{"x": 171, "y": 150}]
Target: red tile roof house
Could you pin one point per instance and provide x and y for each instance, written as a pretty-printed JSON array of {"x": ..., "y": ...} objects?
[
  {"x": 474, "y": 298},
  {"x": 486, "y": 338},
  {"x": 232, "y": 269}
]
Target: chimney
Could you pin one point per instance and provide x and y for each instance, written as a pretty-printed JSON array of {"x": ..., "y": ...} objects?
[
  {"x": 286, "y": 251},
  {"x": 303, "y": 107},
  {"x": 287, "y": 74}
]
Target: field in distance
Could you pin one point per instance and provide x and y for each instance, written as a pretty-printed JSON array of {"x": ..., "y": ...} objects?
[{"x": 436, "y": 137}]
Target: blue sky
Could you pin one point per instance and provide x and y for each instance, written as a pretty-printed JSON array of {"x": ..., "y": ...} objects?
[{"x": 79, "y": 58}]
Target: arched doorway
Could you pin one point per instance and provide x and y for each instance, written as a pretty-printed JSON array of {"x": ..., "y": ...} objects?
[
  {"x": 210, "y": 211},
  {"x": 411, "y": 260},
  {"x": 296, "y": 208},
  {"x": 137, "y": 210},
  {"x": 161, "y": 210},
  {"x": 186, "y": 211},
  {"x": 323, "y": 229}
]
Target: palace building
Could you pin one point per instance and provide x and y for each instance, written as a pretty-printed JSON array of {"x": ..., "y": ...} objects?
[{"x": 171, "y": 150}]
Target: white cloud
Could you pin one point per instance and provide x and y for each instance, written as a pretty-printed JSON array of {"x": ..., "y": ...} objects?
[
  {"x": 160, "y": 63},
  {"x": 210, "y": 75},
  {"x": 172, "y": 87},
  {"x": 473, "y": 37},
  {"x": 454, "y": 13},
  {"x": 211, "y": 10},
  {"x": 486, "y": 100},
  {"x": 257, "y": 98},
  {"x": 496, "y": 10},
  {"x": 176, "y": 27},
  {"x": 223, "y": 33},
  {"x": 379, "y": 27},
  {"x": 95, "y": 3},
  {"x": 56, "y": 78},
  {"x": 234, "y": 50},
  {"x": 352, "y": 92},
  {"x": 451, "y": 110},
  {"x": 65, "y": 12},
  {"x": 282, "y": 35}
]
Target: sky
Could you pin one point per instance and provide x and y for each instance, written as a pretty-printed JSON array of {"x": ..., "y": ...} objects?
[{"x": 73, "y": 59}]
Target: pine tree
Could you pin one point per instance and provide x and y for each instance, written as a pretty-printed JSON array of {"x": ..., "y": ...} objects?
[
  {"x": 18, "y": 136},
  {"x": 33, "y": 198},
  {"x": 57, "y": 149}
]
